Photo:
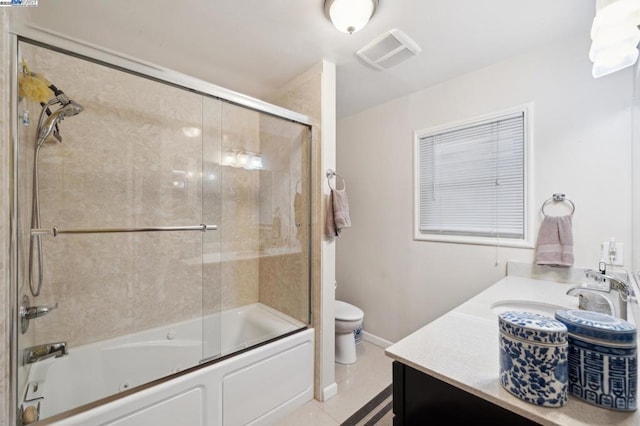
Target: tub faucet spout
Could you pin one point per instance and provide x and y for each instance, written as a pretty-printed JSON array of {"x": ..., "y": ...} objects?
[{"x": 40, "y": 352}]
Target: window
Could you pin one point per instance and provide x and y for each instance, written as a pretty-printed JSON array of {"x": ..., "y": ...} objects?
[{"x": 471, "y": 181}]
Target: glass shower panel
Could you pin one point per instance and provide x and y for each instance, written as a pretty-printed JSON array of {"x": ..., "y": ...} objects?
[
  {"x": 212, "y": 213},
  {"x": 264, "y": 229},
  {"x": 129, "y": 303},
  {"x": 285, "y": 218},
  {"x": 141, "y": 291}
]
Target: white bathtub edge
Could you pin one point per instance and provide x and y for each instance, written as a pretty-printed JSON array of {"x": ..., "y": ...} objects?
[{"x": 145, "y": 408}]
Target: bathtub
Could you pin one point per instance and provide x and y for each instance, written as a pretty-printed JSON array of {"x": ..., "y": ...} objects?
[{"x": 252, "y": 387}]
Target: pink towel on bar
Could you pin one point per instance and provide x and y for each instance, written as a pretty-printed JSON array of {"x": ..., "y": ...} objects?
[
  {"x": 340, "y": 209},
  {"x": 555, "y": 242},
  {"x": 337, "y": 212}
]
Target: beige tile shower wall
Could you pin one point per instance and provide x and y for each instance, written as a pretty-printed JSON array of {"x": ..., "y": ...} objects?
[
  {"x": 283, "y": 279},
  {"x": 284, "y": 211},
  {"x": 239, "y": 231},
  {"x": 125, "y": 161},
  {"x": 212, "y": 207},
  {"x": 257, "y": 225}
]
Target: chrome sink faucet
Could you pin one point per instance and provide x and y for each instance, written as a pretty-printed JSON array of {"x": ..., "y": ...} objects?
[
  {"x": 40, "y": 352},
  {"x": 605, "y": 293}
]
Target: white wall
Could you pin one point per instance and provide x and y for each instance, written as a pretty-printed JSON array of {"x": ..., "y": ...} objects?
[
  {"x": 582, "y": 146},
  {"x": 327, "y": 379}
]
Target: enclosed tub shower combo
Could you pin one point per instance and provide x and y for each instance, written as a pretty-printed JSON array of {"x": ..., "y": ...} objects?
[{"x": 162, "y": 245}]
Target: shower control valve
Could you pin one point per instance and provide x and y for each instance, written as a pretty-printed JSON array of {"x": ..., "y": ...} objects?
[
  {"x": 28, "y": 312},
  {"x": 39, "y": 311}
]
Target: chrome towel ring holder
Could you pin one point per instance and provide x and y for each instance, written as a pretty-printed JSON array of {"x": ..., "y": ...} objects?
[
  {"x": 557, "y": 198},
  {"x": 332, "y": 174}
]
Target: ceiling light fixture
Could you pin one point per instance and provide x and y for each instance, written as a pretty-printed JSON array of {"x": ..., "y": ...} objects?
[
  {"x": 350, "y": 16},
  {"x": 615, "y": 36}
]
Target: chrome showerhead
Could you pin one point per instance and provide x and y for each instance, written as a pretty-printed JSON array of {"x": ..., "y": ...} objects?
[{"x": 68, "y": 109}]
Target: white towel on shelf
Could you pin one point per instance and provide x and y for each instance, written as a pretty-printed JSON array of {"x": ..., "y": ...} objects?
[{"x": 555, "y": 242}]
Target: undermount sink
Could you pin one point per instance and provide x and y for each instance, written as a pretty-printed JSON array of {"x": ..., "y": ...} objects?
[{"x": 541, "y": 308}]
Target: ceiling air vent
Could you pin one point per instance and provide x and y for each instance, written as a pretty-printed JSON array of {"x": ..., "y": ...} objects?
[{"x": 389, "y": 50}]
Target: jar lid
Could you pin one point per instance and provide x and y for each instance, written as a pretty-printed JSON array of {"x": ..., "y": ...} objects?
[
  {"x": 533, "y": 327},
  {"x": 597, "y": 325}
]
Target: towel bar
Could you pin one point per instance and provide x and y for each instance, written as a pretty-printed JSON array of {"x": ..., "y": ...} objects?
[
  {"x": 55, "y": 231},
  {"x": 331, "y": 174}
]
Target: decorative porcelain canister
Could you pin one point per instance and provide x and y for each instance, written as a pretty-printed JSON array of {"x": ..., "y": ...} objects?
[
  {"x": 603, "y": 367},
  {"x": 533, "y": 358}
]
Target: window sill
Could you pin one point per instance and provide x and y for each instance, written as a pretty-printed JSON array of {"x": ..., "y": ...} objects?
[{"x": 482, "y": 241}]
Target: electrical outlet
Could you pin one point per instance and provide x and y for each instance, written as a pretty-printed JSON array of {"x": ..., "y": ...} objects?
[{"x": 619, "y": 253}]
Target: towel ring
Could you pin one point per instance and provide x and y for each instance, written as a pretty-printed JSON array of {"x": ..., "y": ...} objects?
[
  {"x": 330, "y": 175},
  {"x": 559, "y": 197}
]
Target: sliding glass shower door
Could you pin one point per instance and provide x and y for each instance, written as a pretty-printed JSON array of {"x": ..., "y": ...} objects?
[
  {"x": 173, "y": 229},
  {"x": 260, "y": 170}
]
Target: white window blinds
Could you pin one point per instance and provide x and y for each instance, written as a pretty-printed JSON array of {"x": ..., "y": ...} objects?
[{"x": 471, "y": 179}]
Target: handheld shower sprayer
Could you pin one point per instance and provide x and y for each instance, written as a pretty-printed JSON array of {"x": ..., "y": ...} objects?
[
  {"x": 47, "y": 124},
  {"x": 68, "y": 108}
]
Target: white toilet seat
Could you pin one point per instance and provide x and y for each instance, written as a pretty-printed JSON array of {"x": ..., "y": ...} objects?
[{"x": 347, "y": 312}]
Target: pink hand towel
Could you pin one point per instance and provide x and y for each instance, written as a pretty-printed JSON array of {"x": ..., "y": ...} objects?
[
  {"x": 555, "y": 242},
  {"x": 340, "y": 209},
  {"x": 337, "y": 212}
]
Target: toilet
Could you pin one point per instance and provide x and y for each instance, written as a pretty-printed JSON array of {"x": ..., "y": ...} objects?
[{"x": 348, "y": 319}]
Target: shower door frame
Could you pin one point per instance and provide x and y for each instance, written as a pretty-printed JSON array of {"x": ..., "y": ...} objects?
[{"x": 19, "y": 31}]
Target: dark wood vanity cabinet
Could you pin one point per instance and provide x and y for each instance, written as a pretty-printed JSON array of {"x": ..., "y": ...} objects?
[{"x": 420, "y": 399}]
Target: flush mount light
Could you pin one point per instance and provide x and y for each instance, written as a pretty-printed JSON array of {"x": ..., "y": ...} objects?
[{"x": 350, "y": 16}]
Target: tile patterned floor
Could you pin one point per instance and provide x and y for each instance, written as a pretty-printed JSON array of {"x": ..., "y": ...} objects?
[{"x": 357, "y": 384}]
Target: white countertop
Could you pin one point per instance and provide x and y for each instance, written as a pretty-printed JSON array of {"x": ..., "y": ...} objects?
[{"x": 461, "y": 348}]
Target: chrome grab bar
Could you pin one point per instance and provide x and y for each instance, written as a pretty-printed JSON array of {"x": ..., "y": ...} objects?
[{"x": 55, "y": 231}]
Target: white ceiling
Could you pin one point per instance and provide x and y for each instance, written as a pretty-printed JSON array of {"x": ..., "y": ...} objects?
[{"x": 256, "y": 46}]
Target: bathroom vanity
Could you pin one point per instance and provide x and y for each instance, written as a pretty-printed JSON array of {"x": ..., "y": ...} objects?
[{"x": 449, "y": 368}]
